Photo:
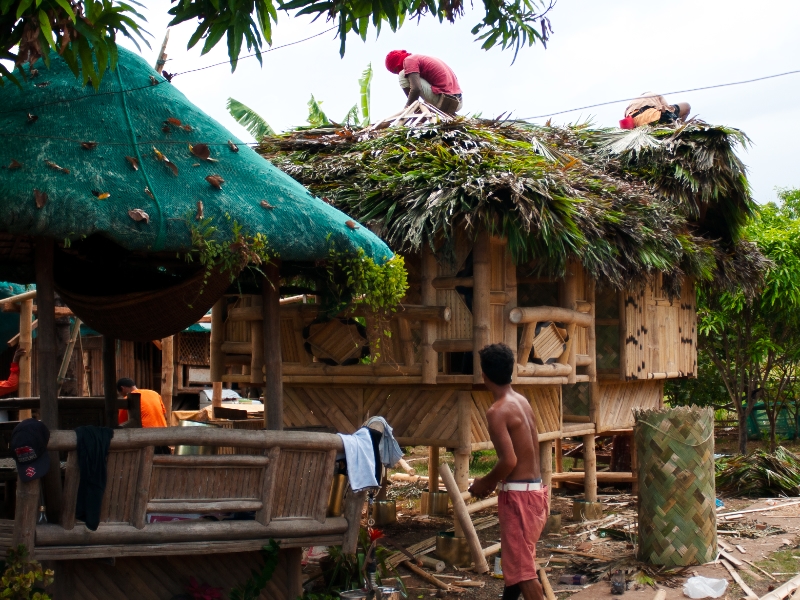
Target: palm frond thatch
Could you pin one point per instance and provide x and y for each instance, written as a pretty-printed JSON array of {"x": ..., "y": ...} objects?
[
  {"x": 625, "y": 204},
  {"x": 249, "y": 119},
  {"x": 760, "y": 474}
]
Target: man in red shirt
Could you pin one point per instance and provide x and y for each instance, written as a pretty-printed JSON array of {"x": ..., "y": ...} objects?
[
  {"x": 427, "y": 77},
  {"x": 11, "y": 385}
]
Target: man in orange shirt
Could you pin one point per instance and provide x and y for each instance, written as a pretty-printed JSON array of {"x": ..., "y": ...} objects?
[
  {"x": 153, "y": 412},
  {"x": 11, "y": 385}
]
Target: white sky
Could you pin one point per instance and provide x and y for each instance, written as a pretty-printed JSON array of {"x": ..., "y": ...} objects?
[{"x": 601, "y": 50}]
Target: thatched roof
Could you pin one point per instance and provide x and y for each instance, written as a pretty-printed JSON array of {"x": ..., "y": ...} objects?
[{"x": 627, "y": 204}]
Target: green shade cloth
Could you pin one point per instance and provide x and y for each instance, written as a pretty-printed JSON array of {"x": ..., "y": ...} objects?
[{"x": 127, "y": 118}]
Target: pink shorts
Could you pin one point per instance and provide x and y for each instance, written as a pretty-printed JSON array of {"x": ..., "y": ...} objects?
[{"x": 522, "y": 518}]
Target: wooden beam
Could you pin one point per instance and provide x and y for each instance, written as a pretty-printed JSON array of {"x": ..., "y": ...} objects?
[
  {"x": 47, "y": 372},
  {"x": 75, "y": 331},
  {"x": 167, "y": 373},
  {"x": 26, "y": 514},
  {"x": 451, "y": 283},
  {"x": 18, "y": 298},
  {"x": 26, "y": 343},
  {"x": 273, "y": 388},
  {"x": 454, "y": 345},
  {"x": 538, "y": 314},
  {"x": 481, "y": 306}
]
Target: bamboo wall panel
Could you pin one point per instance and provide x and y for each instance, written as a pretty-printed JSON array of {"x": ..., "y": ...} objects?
[
  {"x": 290, "y": 348},
  {"x": 212, "y": 483},
  {"x": 122, "y": 471},
  {"x": 430, "y": 414},
  {"x": 165, "y": 577},
  {"x": 635, "y": 364},
  {"x": 299, "y": 485},
  {"x": 460, "y": 325},
  {"x": 339, "y": 408},
  {"x": 617, "y": 401},
  {"x": 688, "y": 328},
  {"x": 545, "y": 403},
  {"x": 497, "y": 256}
]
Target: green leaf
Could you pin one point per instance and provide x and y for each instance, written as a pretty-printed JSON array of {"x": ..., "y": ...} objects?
[
  {"x": 365, "y": 84},
  {"x": 23, "y": 6},
  {"x": 249, "y": 119}
]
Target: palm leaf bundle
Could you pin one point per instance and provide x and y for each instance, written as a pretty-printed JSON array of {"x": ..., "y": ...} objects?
[
  {"x": 760, "y": 474},
  {"x": 626, "y": 205}
]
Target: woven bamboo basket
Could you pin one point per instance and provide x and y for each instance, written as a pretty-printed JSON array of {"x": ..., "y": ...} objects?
[{"x": 677, "y": 514}]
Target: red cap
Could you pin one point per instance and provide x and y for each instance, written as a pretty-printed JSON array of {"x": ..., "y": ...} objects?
[{"x": 394, "y": 60}]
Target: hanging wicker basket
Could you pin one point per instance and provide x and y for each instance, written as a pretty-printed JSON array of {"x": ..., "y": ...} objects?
[{"x": 677, "y": 513}]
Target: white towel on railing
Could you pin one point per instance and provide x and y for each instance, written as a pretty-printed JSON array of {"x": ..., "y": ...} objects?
[
  {"x": 389, "y": 448},
  {"x": 360, "y": 459}
]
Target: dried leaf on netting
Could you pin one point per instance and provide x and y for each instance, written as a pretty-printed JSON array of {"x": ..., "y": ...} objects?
[
  {"x": 53, "y": 165},
  {"x": 32, "y": 118},
  {"x": 267, "y": 205},
  {"x": 201, "y": 151},
  {"x": 42, "y": 84},
  {"x": 174, "y": 121},
  {"x": 137, "y": 214},
  {"x": 166, "y": 161},
  {"x": 153, "y": 80},
  {"x": 232, "y": 146},
  {"x": 199, "y": 215},
  {"x": 149, "y": 193},
  {"x": 351, "y": 224},
  {"x": 100, "y": 195},
  {"x": 88, "y": 145},
  {"x": 187, "y": 128},
  {"x": 216, "y": 181},
  {"x": 133, "y": 162},
  {"x": 40, "y": 198},
  {"x": 15, "y": 165}
]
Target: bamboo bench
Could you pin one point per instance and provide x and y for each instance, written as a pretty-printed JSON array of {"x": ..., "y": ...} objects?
[{"x": 287, "y": 486}]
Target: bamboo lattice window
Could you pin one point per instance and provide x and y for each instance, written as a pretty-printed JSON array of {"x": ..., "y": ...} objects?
[{"x": 193, "y": 349}]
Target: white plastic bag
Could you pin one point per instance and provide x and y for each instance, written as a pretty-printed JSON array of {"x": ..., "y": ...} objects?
[{"x": 704, "y": 587}]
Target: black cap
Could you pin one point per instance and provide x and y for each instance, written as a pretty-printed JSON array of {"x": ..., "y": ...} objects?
[{"x": 29, "y": 447}]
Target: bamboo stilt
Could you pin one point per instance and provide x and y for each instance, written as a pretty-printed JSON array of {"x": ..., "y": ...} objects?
[
  {"x": 167, "y": 373},
  {"x": 590, "y": 468},
  {"x": 634, "y": 467},
  {"x": 559, "y": 459},
  {"x": 463, "y": 452},
  {"x": 217, "y": 357},
  {"x": 570, "y": 301},
  {"x": 510, "y": 331},
  {"x": 433, "y": 469},
  {"x": 26, "y": 343},
  {"x": 481, "y": 307},
  {"x": 273, "y": 387}
]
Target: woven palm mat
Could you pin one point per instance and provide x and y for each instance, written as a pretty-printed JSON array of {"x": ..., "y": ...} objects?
[{"x": 677, "y": 516}]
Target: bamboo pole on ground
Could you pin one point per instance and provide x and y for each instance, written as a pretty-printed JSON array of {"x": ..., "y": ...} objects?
[
  {"x": 273, "y": 383},
  {"x": 217, "y": 358},
  {"x": 784, "y": 590},
  {"x": 462, "y": 516},
  {"x": 545, "y": 583},
  {"x": 25, "y": 389},
  {"x": 463, "y": 452},
  {"x": 481, "y": 307},
  {"x": 430, "y": 358},
  {"x": 46, "y": 364},
  {"x": 749, "y": 594},
  {"x": 590, "y": 468},
  {"x": 167, "y": 373}
]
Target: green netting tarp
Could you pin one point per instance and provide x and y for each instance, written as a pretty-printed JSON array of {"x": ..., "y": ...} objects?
[{"x": 48, "y": 129}]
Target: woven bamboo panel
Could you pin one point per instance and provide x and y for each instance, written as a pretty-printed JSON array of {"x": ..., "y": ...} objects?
[
  {"x": 617, "y": 402},
  {"x": 122, "y": 471},
  {"x": 165, "y": 577},
  {"x": 335, "y": 340},
  {"x": 688, "y": 328},
  {"x": 677, "y": 513},
  {"x": 290, "y": 348},
  {"x": 300, "y": 476},
  {"x": 430, "y": 414},
  {"x": 460, "y": 325},
  {"x": 545, "y": 403},
  {"x": 197, "y": 483},
  {"x": 193, "y": 349},
  {"x": 548, "y": 344},
  {"x": 635, "y": 366},
  {"x": 340, "y": 408}
]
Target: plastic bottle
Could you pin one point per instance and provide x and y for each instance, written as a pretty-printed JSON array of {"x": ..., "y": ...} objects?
[{"x": 574, "y": 579}]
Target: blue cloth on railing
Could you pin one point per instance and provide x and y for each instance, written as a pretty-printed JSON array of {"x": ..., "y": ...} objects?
[
  {"x": 93, "y": 444},
  {"x": 361, "y": 455},
  {"x": 390, "y": 449}
]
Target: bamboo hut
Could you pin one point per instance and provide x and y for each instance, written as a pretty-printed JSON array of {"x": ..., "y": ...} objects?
[
  {"x": 140, "y": 218},
  {"x": 581, "y": 248}
]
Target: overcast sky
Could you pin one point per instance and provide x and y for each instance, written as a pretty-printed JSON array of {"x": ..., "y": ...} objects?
[{"x": 600, "y": 50}]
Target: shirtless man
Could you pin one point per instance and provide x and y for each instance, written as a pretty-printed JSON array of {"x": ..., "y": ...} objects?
[{"x": 522, "y": 502}]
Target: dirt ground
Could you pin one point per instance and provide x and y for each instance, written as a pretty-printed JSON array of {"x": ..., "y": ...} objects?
[{"x": 775, "y": 549}]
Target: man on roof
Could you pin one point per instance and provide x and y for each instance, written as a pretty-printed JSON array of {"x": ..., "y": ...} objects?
[
  {"x": 11, "y": 385},
  {"x": 652, "y": 108},
  {"x": 426, "y": 77}
]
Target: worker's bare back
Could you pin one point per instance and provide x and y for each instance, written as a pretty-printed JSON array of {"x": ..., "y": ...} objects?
[{"x": 512, "y": 427}]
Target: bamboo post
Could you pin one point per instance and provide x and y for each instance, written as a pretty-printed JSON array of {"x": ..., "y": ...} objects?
[
  {"x": 110, "y": 380},
  {"x": 481, "y": 307},
  {"x": 634, "y": 468},
  {"x": 217, "y": 358},
  {"x": 167, "y": 373},
  {"x": 463, "y": 452},
  {"x": 25, "y": 343},
  {"x": 510, "y": 329},
  {"x": 461, "y": 514},
  {"x": 559, "y": 458},
  {"x": 353, "y": 507},
  {"x": 257, "y": 353},
  {"x": 162, "y": 56},
  {"x": 294, "y": 572},
  {"x": 546, "y": 466},
  {"x": 623, "y": 329},
  {"x": 73, "y": 336},
  {"x": 569, "y": 300},
  {"x": 46, "y": 365},
  {"x": 433, "y": 469},
  {"x": 591, "y": 334},
  {"x": 273, "y": 388},
  {"x": 26, "y": 514},
  {"x": 590, "y": 468},
  {"x": 430, "y": 358}
]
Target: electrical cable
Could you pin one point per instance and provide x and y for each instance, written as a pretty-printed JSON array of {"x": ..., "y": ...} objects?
[{"x": 708, "y": 87}]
